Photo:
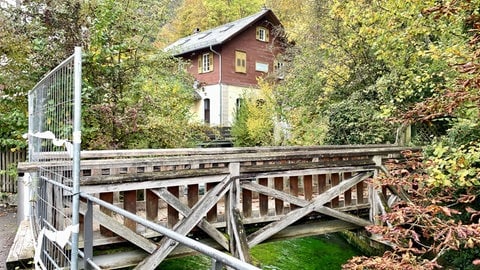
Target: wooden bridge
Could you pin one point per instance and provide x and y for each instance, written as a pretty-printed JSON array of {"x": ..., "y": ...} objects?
[{"x": 230, "y": 198}]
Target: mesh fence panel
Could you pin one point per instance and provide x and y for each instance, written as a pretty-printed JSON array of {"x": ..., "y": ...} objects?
[{"x": 51, "y": 142}]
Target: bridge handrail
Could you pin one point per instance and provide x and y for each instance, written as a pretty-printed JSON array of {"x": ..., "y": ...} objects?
[
  {"x": 191, "y": 243},
  {"x": 166, "y": 157}
]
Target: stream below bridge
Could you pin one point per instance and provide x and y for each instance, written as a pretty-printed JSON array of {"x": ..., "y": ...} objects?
[{"x": 325, "y": 252}]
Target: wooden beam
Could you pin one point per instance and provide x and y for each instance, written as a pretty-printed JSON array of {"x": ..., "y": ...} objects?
[
  {"x": 166, "y": 245},
  {"x": 130, "y": 204},
  {"x": 108, "y": 187},
  {"x": 114, "y": 226},
  {"x": 289, "y": 218},
  {"x": 241, "y": 246},
  {"x": 186, "y": 211},
  {"x": 304, "y": 203}
]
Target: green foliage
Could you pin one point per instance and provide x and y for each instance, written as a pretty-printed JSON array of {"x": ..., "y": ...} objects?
[
  {"x": 135, "y": 95},
  {"x": 254, "y": 120},
  {"x": 455, "y": 166},
  {"x": 358, "y": 122}
]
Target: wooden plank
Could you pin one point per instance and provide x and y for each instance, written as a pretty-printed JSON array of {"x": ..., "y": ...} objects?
[
  {"x": 348, "y": 194},
  {"x": 304, "y": 154},
  {"x": 293, "y": 190},
  {"x": 126, "y": 233},
  {"x": 130, "y": 204},
  {"x": 263, "y": 199},
  {"x": 335, "y": 179},
  {"x": 241, "y": 251},
  {"x": 360, "y": 189},
  {"x": 192, "y": 193},
  {"x": 151, "y": 201},
  {"x": 289, "y": 218},
  {"x": 322, "y": 183},
  {"x": 308, "y": 187},
  {"x": 185, "y": 211},
  {"x": 114, "y": 187},
  {"x": 247, "y": 203},
  {"x": 23, "y": 248},
  {"x": 166, "y": 245},
  {"x": 212, "y": 213},
  {"x": 107, "y": 197},
  {"x": 172, "y": 213},
  {"x": 278, "y": 184}
]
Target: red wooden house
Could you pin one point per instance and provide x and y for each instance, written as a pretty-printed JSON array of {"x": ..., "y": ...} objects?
[{"x": 226, "y": 62}]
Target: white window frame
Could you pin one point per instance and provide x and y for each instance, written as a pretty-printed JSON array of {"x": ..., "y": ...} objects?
[{"x": 206, "y": 62}]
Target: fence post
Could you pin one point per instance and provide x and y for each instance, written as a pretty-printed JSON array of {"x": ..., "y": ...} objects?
[{"x": 77, "y": 139}]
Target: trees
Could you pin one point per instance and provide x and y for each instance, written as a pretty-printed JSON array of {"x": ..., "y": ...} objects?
[
  {"x": 384, "y": 54},
  {"x": 34, "y": 39},
  {"x": 440, "y": 225},
  {"x": 125, "y": 73},
  {"x": 121, "y": 70}
]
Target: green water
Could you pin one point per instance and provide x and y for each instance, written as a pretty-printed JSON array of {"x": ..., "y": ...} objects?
[{"x": 327, "y": 252}]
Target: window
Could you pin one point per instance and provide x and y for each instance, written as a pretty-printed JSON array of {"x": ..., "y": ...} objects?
[
  {"x": 240, "y": 62},
  {"x": 279, "y": 69},
  {"x": 205, "y": 62},
  {"x": 263, "y": 67},
  {"x": 262, "y": 34},
  {"x": 206, "y": 110}
]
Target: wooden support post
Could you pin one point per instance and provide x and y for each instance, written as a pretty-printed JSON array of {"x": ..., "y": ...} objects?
[
  {"x": 263, "y": 199},
  {"x": 172, "y": 214},
  {"x": 130, "y": 204},
  {"x": 192, "y": 194},
  {"x": 212, "y": 214},
  {"x": 151, "y": 201},
  {"x": 335, "y": 181},
  {"x": 360, "y": 189},
  {"x": 107, "y": 197},
  {"x": 348, "y": 194},
  {"x": 247, "y": 202},
  {"x": 308, "y": 187},
  {"x": 293, "y": 189},
  {"x": 241, "y": 250},
  {"x": 322, "y": 183},
  {"x": 278, "y": 183}
]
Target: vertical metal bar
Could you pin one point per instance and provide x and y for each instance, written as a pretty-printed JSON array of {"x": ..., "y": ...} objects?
[
  {"x": 216, "y": 265},
  {"x": 77, "y": 139},
  {"x": 88, "y": 235}
]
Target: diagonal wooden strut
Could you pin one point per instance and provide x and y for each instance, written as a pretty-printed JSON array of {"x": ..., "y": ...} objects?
[
  {"x": 184, "y": 210},
  {"x": 302, "y": 203},
  {"x": 120, "y": 229},
  {"x": 315, "y": 205},
  {"x": 166, "y": 245}
]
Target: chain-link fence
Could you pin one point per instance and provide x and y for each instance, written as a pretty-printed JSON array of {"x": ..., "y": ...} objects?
[{"x": 54, "y": 142}]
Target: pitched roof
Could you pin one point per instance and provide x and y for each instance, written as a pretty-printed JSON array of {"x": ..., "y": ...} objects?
[{"x": 217, "y": 35}]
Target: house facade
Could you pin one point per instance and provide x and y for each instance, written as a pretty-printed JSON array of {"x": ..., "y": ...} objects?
[{"x": 226, "y": 62}]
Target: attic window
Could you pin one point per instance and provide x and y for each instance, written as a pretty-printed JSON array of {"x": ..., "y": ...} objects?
[
  {"x": 262, "y": 34},
  {"x": 204, "y": 35},
  {"x": 226, "y": 28}
]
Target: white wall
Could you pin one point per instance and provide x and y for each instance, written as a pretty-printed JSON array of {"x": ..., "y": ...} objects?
[{"x": 223, "y": 100}]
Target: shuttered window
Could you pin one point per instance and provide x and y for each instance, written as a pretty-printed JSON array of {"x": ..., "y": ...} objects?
[
  {"x": 262, "y": 34},
  {"x": 205, "y": 62},
  {"x": 240, "y": 62}
]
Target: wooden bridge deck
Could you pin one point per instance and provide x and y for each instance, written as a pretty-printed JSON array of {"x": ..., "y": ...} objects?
[{"x": 277, "y": 192}]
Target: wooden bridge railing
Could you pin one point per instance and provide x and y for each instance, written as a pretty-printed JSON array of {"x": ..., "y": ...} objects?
[{"x": 270, "y": 189}]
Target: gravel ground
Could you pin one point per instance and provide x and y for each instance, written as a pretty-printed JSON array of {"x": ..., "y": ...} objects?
[{"x": 8, "y": 228}]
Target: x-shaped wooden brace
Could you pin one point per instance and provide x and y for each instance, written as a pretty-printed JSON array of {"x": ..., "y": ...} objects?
[
  {"x": 316, "y": 205},
  {"x": 200, "y": 209}
]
